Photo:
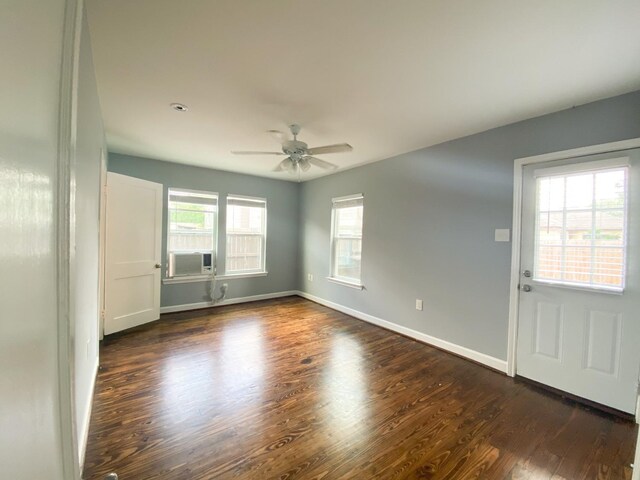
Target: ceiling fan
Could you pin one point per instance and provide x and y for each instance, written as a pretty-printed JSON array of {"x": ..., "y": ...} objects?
[{"x": 299, "y": 156}]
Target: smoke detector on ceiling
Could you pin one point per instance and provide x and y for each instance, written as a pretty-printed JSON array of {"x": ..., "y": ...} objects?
[{"x": 179, "y": 107}]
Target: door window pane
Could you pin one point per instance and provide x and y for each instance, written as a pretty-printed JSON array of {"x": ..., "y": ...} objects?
[
  {"x": 551, "y": 193},
  {"x": 581, "y": 228},
  {"x": 579, "y": 191},
  {"x": 609, "y": 228}
]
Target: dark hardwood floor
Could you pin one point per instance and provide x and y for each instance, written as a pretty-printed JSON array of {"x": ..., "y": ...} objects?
[{"x": 288, "y": 389}]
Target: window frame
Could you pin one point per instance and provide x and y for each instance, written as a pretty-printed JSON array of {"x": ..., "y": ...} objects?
[
  {"x": 333, "y": 277},
  {"x": 214, "y": 250},
  {"x": 595, "y": 166},
  {"x": 244, "y": 273}
]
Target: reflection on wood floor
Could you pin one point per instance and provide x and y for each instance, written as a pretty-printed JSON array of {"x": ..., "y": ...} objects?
[{"x": 288, "y": 389}]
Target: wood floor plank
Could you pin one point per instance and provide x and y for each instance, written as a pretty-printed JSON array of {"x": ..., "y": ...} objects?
[{"x": 288, "y": 389}]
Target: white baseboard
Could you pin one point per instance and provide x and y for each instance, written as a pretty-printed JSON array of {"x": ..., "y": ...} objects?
[
  {"x": 636, "y": 461},
  {"x": 82, "y": 447},
  {"x": 495, "y": 363},
  {"x": 228, "y": 301}
]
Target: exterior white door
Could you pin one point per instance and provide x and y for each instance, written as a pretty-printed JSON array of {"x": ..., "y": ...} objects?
[
  {"x": 579, "y": 310},
  {"x": 134, "y": 229}
]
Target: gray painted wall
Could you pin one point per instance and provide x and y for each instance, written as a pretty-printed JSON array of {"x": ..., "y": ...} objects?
[
  {"x": 30, "y": 402},
  {"x": 429, "y": 220},
  {"x": 89, "y": 145},
  {"x": 282, "y": 223}
]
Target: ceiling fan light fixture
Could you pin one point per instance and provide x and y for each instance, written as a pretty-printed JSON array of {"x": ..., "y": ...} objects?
[{"x": 304, "y": 164}]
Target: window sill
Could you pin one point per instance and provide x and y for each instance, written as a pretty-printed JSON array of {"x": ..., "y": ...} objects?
[
  {"x": 339, "y": 281},
  {"x": 231, "y": 276},
  {"x": 207, "y": 278},
  {"x": 189, "y": 279}
]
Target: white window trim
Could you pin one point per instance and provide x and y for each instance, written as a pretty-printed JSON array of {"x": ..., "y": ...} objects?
[
  {"x": 581, "y": 286},
  {"x": 246, "y": 273},
  {"x": 167, "y": 280},
  {"x": 607, "y": 164},
  {"x": 590, "y": 167},
  {"x": 332, "y": 277},
  {"x": 346, "y": 198},
  {"x": 340, "y": 281},
  {"x": 231, "y": 276},
  {"x": 248, "y": 198}
]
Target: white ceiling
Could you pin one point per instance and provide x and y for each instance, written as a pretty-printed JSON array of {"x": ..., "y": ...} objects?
[{"x": 387, "y": 77}]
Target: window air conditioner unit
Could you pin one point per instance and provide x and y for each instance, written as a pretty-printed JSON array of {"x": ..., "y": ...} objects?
[{"x": 183, "y": 264}]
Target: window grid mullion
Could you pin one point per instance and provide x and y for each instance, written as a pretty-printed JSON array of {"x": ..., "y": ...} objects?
[{"x": 593, "y": 228}]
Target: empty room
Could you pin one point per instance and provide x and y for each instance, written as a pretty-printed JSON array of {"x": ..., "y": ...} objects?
[{"x": 305, "y": 239}]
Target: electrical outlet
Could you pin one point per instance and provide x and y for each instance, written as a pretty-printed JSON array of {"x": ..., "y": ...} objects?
[
  {"x": 418, "y": 304},
  {"x": 310, "y": 277}
]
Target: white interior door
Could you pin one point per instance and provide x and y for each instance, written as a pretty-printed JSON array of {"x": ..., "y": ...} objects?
[
  {"x": 579, "y": 309},
  {"x": 134, "y": 229}
]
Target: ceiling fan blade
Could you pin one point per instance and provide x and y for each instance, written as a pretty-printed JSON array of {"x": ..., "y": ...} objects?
[
  {"x": 337, "y": 148},
  {"x": 283, "y": 165},
  {"x": 243, "y": 152},
  {"x": 321, "y": 163}
]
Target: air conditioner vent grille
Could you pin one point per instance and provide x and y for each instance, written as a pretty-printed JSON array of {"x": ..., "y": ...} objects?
[{"x": 183, "y": 264}]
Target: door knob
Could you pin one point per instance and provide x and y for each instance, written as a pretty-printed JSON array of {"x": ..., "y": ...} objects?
[
  {"x": 111, "y": 476},
  {"x": 158, "y": 265},
  {"x": 526, "y": 288}
]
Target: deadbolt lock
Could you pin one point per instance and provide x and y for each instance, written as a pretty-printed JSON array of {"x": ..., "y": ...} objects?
[{"x": 527, "y": 273}]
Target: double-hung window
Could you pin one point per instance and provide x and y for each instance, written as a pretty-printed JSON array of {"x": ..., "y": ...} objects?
[
  {"x": 192, "y": 219},
  {"x": 246, "y": 235},
  {"x": 346, "y": 239}
]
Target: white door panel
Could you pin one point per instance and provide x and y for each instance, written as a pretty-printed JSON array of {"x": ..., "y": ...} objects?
[
  {"x": 134, "y": 228},
  {"x": 602, "y": 342},
  {"x": 547, "y": 330},
  {"x": 580, "y": 331}
]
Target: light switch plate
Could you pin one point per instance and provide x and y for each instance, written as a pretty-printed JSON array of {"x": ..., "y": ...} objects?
[
  {"x": 502, "y": 235},
  {"x": 418, "y": 304}
]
